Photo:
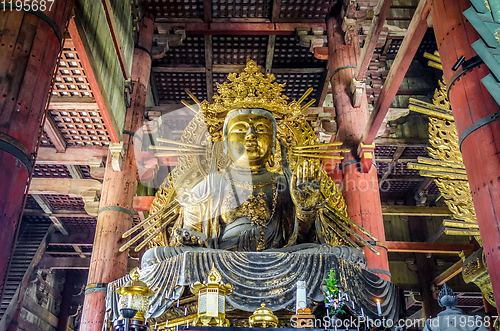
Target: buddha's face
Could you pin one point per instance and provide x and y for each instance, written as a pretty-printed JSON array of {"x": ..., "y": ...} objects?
[{"x": 249, "y": 140}]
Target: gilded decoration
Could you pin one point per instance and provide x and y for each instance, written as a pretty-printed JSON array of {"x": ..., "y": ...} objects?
[
  {"x": 446, "y": 163},
  {"x": 202, "y": 151},
  {"x": 448, "y": 170}
]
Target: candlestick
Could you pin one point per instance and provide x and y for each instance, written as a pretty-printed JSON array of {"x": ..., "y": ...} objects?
[
  {"x": 185, "y": 311},
  {"x": 177, "y": 303},
  {"x": 156, "y": 326},
  {"x": 379, "y": 309}
]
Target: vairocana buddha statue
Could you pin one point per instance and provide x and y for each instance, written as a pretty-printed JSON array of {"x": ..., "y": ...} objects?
[{"x": 249, "y": 196}]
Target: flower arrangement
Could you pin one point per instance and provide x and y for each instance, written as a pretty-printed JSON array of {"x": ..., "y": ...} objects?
[{"x": 335, "y": 298}]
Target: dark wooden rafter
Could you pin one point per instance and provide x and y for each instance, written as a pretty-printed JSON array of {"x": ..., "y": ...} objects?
[
  {"x": 270, "y": 53},
  {"x": 404, "y": 57},
  {"x": 207, "y": 11},
  {"x": 45, "y": 205},
  {"x": 275, "y": 14},
  {"x": 55, "y": 135},
  {"x": 425, "y": 247},
  {"x": 209, "y": 67},
  {"x": 323, "y": 87},
  {"x": 239, "y": 28},
  {"x": 72, "y": 156},
  {"x": 449, "y": 273},
  {"x": 397, "y": 154},
  {"x": 379, "y": 17}
]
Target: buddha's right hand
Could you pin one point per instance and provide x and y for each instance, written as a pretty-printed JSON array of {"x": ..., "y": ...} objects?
[{"x": 187, "y": 237}]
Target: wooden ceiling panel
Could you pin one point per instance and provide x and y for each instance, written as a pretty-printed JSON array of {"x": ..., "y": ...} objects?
[
  {"x": 385, "y": 151},
  {"x": 51, "y": 171},
  {"x": 171, "y": 86},
  {"x": 415, "y": 151},
  {"x": 237, "y": 49},
  {"x": 65, "y": 202},
  {"x": 297, "y": 84},
  {"x": 167, "y": 9},
  {"x": 242, "y": 8},
  {"x": 46, "y": 142},
  {"x": 305, "y": 9},
  {"x": 191, "y": 51},
  {"x": 81, "y": 127},
  {"x": 289, "y": 53},
  {"x": 71, "y": 80},
  {"x": 79, "y": 224},
  {"x": 398, "y": 186}
]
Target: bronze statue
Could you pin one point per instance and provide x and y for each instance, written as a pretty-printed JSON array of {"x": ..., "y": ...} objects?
[{"x": 250, "y": 198}]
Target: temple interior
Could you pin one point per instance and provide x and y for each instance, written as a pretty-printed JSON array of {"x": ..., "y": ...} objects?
[{"x": 262, "y": 150}]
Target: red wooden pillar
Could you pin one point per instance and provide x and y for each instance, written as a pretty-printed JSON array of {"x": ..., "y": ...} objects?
[
  {"x": 29, "y": 48},
  {"x": 471, "y": 102},
  {"x": 360, "y": 190},
  {"x": 116, "y": 213}
]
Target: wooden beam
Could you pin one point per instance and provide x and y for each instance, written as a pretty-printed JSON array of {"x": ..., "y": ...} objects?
[
  {"x": 405, "y": 159},
  {"x": 242, "y": 28},
  {"x": 58, "y": 213},
  {"x": 72, "y": 156},
  {"x": 94, "y": 86},
  {"x": 271, "y": 42},
  {"x": 275, "y": 15},
  {"x": 110, "y": 18},
  {"x": 207, "y": 11},
  {"x": 63, "y": 186},
  {"x": 424, "y": 247},
  {"x": 17, "y": 300},
  {"x": 323, "y": 91},
  {"x": 449, "y": 273},
  {"x": 416, "y": 211},
  {"x": 74, "y": 171},
  {"x": 209, "y": 67},
  {"x": 41, "y": 312},
  {"x": 80, "y": 239},
  {"x": 88, "y": 103},
  {"x": 184, "y": 68},
  {"x": 436, "y": 235},
  {"x": 397, "y": 154},
  {"x": 55, "y": 135},
  {"x": 406, "y": 142},
  {"x": 319, "y": 70},
  {"x": 404, "y": 57},
  {"x": 27, "y": 325},
  {"x": 64, "y": 263},
  {"x": 45, "y": 205},
  {"x": 379, "y": 16}
]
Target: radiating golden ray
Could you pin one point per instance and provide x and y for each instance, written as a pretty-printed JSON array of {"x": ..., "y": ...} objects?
[
  {"x": 191, "y": 95},
  {"x": 334, "y": 218},
  {"x": 155, "y": 233},
  {"x": 309, "y": 104},
  {"x": 325, "y": 150},
  {"x": 303, "y": 97},
  {"x": 168, "y": 141},
  {"x": 337, "y": 143},
  {"x": 337, "y": 230},
  {"x": 162, "y": 154},
  {"x": 353, "y": 224},
  {"x": 173, "y": 204},
  {"x": 320, "y": 156},
  {"x": 185, "y": 103},
  {"x": 175, "y": 149}
]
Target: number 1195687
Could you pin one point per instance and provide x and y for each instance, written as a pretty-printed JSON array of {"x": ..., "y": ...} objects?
[{"x": 27, "y": 5}]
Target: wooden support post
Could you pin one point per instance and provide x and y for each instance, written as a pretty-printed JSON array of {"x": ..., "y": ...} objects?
[
  {"x": 471, "y": 102},
  {"x": 119, "y": 187},
  {"x": 28, "y": 56},
  {"x": 425, "y": 247},
  {"x": 425, "y": 264},
  {"x": 67, "y": 295},
  {"x": 54, "y": 134},
  {"x": 270, "y": 53},
  {"x": 409, "y": 46},
  {"x": 209, "y": 63},
  {"x": 360, "y": 190}
]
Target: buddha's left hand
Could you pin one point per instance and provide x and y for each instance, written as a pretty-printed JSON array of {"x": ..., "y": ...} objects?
[{"x": 305, "y": 186}]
